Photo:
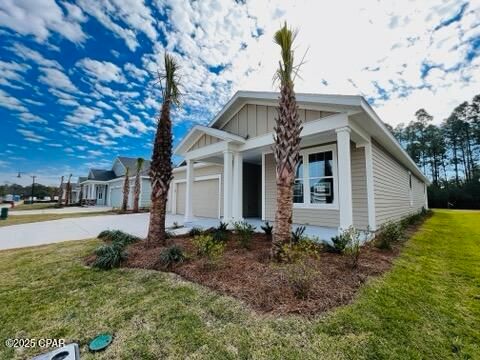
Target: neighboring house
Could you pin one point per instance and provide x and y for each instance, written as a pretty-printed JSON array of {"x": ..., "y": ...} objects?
[
  {"x": 75, "y": 190},
  {"x": 105, "y": 187},
  {"x": 352, "y": 171}
]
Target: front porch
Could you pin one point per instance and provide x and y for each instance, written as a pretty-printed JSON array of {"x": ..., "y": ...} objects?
[
  {"x": 94, "y": 193},
  {"x": 334, "y": 150}
]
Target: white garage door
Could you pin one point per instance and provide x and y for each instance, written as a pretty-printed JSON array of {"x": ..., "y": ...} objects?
[
  {"x": 116, "y": 197},
  {"x": 205, "y": 198}
]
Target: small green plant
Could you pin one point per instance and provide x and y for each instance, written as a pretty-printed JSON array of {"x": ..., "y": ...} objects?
[
  {"x": 172, "y": 255},
  {"x": 352, "y": 249},
  {"x": 195, "y": 231},
  {"x": 245, "y": 232},
  {"x": 297, "y": 235},
  {"x": 109, "y": 256},
  {"x": 207, "y": 247},
  {"x": 304, "y": 249},
  {"x": 267, "y": 229},
  {"x": 222, "y": 226},
  {"x": 300, "y": 277},
  {"x": 338, "y": 244},
  {"x": 169, "y": 234},
  {"x": 117, "y": 236},
  {"x": 219, "y": 235},
  {"x": 389, "y": 233}
]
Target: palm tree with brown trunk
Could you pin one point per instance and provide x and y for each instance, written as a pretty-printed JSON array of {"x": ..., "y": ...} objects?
[
  {"x": 68, "y": 191},
  {"x": 126, "y": 191},
  {"x": 60, "y": 192},
  {"x": 161, "y": 165},
  {"x": 286, "y": 140},
  {"x": 136, "y": 190}
]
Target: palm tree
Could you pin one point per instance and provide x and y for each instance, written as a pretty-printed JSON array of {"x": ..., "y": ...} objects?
[
  {"x": 136, "y": 191},
  {"x": 126, "y": 191},
  {"x": 68, "y": 191},
  {"x": 60, "y": 192},
  {"x": 161, "y": 166},
  {"x": 286, "y": 140}
]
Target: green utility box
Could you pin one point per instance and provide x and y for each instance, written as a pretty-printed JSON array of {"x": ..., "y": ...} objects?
[{"x": 4, "y": 213}]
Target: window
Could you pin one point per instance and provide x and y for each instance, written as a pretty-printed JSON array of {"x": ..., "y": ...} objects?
[{"x": 314, "y": 184}]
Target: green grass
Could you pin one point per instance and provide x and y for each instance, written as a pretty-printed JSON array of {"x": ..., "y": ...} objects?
[
  {"x": 35, "y": 206},
  {"x": 426, "y": 307},
  {"x": 24, "y": 219}
]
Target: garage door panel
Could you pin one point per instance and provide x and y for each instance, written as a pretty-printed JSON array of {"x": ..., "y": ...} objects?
[
  {"x": 116, "y": 197},
  {"x": 205, "y": 198}
]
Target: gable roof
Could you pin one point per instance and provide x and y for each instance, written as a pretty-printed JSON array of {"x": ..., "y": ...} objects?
[
  {"x": 198, "y": 130},
  {"x": 131, "y": 164},
  {"x": 101, "y": 175}
]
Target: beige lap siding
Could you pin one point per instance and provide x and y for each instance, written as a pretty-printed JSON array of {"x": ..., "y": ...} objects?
[
  {"x": 145, "y": 196},
  {"x": 392, "y": 189},
  {"x": 359, "y": 188}
]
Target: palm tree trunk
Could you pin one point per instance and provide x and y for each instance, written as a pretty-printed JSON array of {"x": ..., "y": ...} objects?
[
  {"x": 283, "y": 218},
  {"x": 136, "y": 193}
]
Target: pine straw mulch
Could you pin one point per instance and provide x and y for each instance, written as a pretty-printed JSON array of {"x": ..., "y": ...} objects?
[{"x": 251, "y": 276}]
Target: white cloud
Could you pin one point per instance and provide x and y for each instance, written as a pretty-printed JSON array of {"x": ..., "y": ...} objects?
[
  {"x": 83, "y": 115},
  {"x": 57, "y": 79},
  {"x": 39, "y": 18},
  {"x": 135, "y": 72},
  {"x": 30, "y": 118},
  {"x": 29, "y": 135},
  {"x": 10, "y": 102},
  {"x": 102, "y": 70},
  {"x": 11, "y": 71},
  {"x": 115, "y": 14},
  {"x": 32, "y": 55}
]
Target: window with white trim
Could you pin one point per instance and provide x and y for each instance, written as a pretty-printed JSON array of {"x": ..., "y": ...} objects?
[{"x": 315, "y": 178}]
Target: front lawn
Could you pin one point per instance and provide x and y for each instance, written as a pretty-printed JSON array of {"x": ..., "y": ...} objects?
[
  {"x": 427, "y": 306},
  {"x": 35, "y": 206},
  {"x": 25, "y": 219}
]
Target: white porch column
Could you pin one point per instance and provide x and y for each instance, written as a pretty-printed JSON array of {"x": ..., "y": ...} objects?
[
  {"x": 227, "y": 185},
  {"x": 344, "y": 177},
  {"x": 237, "y": 206},
  {"x": 189, "y": 192},
  {"x": 372, "y": 224}
]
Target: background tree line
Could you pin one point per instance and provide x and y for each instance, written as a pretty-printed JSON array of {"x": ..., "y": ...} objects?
[
  {"x": 448, "y": 153},
  {"x": 40, "y": 191}
]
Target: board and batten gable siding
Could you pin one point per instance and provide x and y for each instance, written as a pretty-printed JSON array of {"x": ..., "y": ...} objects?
[
  {"x": 204, "y": 140},
  {"x": 256, "y": 120},
  {"x": 392, "y": 188},
  {"x": 212, "y": 169}
]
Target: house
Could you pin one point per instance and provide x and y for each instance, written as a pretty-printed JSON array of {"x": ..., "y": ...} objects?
[
  {"x": 352, "y": 171},
  {"x": 105, "y": 186}
]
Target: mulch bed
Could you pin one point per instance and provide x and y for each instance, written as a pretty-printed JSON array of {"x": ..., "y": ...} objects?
[{"x": 251, "y": 276}]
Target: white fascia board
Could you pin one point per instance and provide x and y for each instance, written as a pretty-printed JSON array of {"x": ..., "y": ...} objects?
[
  {"x": 400, "y": 153},
  {"x": 190, "y": 138},
  {"x": 206, "y": 151},
  {"x": 195, "y": 166}
]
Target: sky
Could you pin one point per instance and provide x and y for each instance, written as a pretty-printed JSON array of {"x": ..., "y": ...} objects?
[{"x": 78, "y": 79}]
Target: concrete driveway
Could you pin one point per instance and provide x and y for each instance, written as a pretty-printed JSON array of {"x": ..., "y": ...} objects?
[{"x": 47, "y": 232}]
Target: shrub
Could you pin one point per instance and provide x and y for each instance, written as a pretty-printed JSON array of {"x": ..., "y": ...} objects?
[
  {"x": 195, "y": 231},
  {"x": 219, "y": 235},
  {"x": 338, "y": 244},
  {"x": 169, "y": 234},
  {"x": 172, "y": 255},
  {"x": 109, "y": 256},
  {"x": 267, "y": 228},
  {"x": 300, "y": 251},
  {"x": 222, "y": 226},
  {"x": 298, "y": 234},
  {"x": 207, "y": 247},
  {"x": 118, "y": 236},
  {"x": 301, "y": 277},
  {"x": 352, "y": 248},
  {"x": 389, "y": 233},
  {"x": 245, "y": 232}
]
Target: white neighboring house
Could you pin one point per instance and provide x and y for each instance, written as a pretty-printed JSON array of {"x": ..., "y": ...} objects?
[
  {"x": 352, "y": 171},
  {"x": 105, "y": 187}
]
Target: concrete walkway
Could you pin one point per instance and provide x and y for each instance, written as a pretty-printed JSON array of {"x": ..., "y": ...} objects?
[
  {"x": 65, "y": 210},
  {"x": 47, "y": 232}
]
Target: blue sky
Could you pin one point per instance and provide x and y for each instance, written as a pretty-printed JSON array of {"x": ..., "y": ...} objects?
[{"x": 77, "y": 78}]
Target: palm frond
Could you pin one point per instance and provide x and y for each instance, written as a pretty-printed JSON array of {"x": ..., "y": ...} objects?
[
  {"x": 170, "y": 80},
  {"x": 285, "y": 38},
  {"x": 140, "y": 162}
]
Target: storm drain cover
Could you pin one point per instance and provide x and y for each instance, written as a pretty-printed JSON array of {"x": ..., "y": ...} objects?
[{"x": 100, "y": 342}]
